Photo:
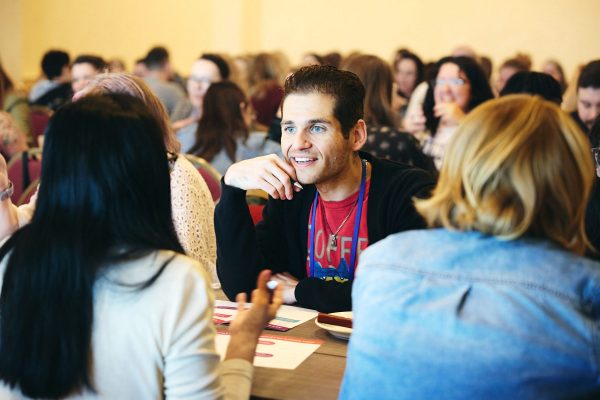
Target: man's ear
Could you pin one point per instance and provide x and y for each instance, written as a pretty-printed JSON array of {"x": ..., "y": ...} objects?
[{"x": 358, "y": 135}]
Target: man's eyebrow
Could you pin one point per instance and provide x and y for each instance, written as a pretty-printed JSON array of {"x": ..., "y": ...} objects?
[
  {"x": 319, "y": 121},
  {"x": 310, "y": 122}
]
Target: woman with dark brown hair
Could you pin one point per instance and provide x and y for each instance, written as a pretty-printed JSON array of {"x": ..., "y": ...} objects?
[{"x": 222, "y": 135}]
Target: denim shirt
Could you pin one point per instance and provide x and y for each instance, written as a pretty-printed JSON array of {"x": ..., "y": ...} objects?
[{"x": 441, "y": 314}]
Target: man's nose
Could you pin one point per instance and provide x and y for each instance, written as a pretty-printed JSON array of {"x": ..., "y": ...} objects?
[{"x": 301, "y": 140}]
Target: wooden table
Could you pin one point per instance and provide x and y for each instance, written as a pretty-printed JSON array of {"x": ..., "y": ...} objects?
[{"x": 318, "y": 377}]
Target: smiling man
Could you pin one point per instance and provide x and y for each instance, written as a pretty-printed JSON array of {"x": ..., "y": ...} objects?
[{"x": 328, "y": 200}]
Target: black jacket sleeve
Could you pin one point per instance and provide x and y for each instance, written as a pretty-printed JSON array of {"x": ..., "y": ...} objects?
[
  {"x": 238, "y": 258},
  {"x": 243, "y": 250}
]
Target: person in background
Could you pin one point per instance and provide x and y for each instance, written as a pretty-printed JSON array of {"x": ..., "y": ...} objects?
[
  {"x": 496, "y": 301},
  {"x": 128, "y": 296},
  {"x": 12, "y": 139},
  {"x": 158, "y": 77},
  {"x": 383, "y": 139},
  {"x": 554, "y": 69},
  {"x": 14, "y": 103},
  {"x": 265, "y": 90},
  {"x": 222, "y": 135},
  {"x": 535, "y": 83},
  {"x": 588, "y": 96},
  {"x": 55, "y": 89},
  {"x": 84, "y": 68},
  {"x": 592, "y": 215},
  {"x": 116, "y": 66},
  {"x": 519, "y": 63},
  {"x": 206, "y": 70},
  {"x": 139, "y": 68},
  {"x": 334, "y": 59},
  {"x": 414, "y": 120},
  {"x": 311, "y": 59},
  {"x": 460, "y": 86},
  {"x": 349, "y": 199},
  {"x": 409, "y": 71},
  {"x": 487, "y": 66}
]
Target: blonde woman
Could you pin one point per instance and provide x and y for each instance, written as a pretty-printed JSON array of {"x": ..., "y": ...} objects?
[
  {"x": 191, "y": 202},
  {"x": 497, "y": 301}
]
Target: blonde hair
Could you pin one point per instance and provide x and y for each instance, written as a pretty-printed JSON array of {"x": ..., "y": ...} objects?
[
  {"x": 136, "y": 87},
  {"x": 517, "y": 166}
]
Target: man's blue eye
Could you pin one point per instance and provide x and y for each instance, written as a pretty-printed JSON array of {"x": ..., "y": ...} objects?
[
  {"x": 289, "y": 129},
  {"x": 317, "y": 129}
]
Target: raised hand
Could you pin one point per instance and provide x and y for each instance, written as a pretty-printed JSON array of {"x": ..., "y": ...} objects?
[
  {"x": 249, "y": 323},
  {"x": 414, "y": 122},
  {"x": 449, "y": 113},
  {"x": 269, "y": 173}
]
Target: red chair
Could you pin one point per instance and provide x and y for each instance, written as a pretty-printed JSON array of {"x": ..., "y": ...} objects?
[
  {"x": 256, "y": 200},
  {"x": 23, "y": 169},
  {"x": 39, "y": 117},
  {"x": 256, "y": 212},
  {"x": 29, "y": 192},
  {"x": 209, "y": 173}
]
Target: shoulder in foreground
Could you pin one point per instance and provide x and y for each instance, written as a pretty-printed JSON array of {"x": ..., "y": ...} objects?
[
  {"x": 402, "y": 243},
  {"x": 179, "y": 267}
]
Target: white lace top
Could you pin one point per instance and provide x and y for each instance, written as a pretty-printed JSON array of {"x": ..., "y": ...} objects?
[{"x": 193, "y": 214}]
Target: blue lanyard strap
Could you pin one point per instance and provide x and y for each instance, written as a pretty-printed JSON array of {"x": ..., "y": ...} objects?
[{"x": 361, "y": 196}]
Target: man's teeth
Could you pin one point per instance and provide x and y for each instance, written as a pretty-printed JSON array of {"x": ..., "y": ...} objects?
[{"x": 303, "y": 159}]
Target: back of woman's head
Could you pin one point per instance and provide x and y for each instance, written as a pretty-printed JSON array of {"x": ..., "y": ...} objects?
[
  {"x": 222, "y": 121},
  {"x": 134, "y": 86},
  {"x": 108, "y": 155},
  {"x": 517, "y": 166},
  {"x": 376, "y": 76},
  {"x": 535, "y": 83},
  {"x": 104, "y": 196}
]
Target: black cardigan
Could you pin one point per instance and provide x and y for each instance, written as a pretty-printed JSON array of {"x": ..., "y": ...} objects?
[{"x": 279, "y": 241}]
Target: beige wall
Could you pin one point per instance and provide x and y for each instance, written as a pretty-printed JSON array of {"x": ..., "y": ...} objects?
[
  {"x": 564, "y": 29},
  {"x": 11, "y": 37}
]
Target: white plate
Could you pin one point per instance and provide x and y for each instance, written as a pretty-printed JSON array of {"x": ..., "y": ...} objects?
[{"x": 339, "y": 332}]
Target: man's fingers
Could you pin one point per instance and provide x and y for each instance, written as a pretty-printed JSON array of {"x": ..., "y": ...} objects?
[
  {"x": 286, "y": 181},
  {"x": 277, "y": 185},
  {"x": 286, "y": 167}
]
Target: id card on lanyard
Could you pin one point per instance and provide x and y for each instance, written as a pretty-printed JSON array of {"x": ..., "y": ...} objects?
[{"x": 354, "y": 248}]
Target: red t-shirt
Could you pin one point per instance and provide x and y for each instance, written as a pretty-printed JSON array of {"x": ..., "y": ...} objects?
[{"x": 333, "y": 262}]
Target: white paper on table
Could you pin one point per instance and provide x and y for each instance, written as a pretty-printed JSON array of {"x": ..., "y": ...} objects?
[
  {"x": 287, "y": 316},
  {"x": 272, "y": 351}
]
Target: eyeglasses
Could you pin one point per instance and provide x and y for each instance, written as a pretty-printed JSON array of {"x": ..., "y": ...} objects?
[
  {"x": 199, "y": 80},
  {"x": 451, "y": 82}
]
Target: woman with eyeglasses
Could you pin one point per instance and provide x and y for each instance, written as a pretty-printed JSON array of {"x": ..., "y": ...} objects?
[{"x": 460, "y": 85}]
